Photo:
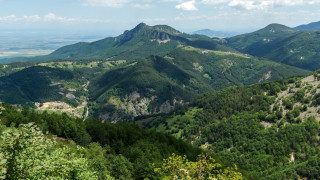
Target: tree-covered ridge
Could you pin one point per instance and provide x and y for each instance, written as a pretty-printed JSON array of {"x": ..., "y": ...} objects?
[
  {"x": 123, "y": 151},
  {"x": 314, "y": 26},
  {"x": 280, "y": 44},
  {"x": 222, "y": 69},
  {"x": 270, "y": 130}
]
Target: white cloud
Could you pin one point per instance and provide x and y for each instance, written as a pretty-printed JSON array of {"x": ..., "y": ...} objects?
[
  {"x": 152, "y": 20},
  {"x": 32, "y": 18},
  {"x": 105, "y": 3},
  {"x": 50, "y": 17},
  {"x": 142, "y": 6},
  {"x": 172, "y": 1},
  {"x": 214, "y": 1},
  {"x": 260, "y": 4},
  {"x": 11, "y": 17},
  {"x": 53, "y": 17},
  {"x": 187, "y": 6}
]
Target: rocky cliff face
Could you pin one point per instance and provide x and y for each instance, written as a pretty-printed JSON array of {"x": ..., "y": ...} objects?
[
  {"x": 144, "y": 31},
  {"x": 134, "y": 105},
  {"x": 128, "y": 35}
]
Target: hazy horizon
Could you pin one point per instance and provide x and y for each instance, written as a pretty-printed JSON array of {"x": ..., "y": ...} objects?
[
  {"x": 27, "y": 24},
  {"x": 185, "y": 15}
]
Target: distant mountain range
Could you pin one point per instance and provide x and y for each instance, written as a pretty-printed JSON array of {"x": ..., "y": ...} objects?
[
  {"x": 314, "y": 26},
  {"x": 212, "y": 33}
]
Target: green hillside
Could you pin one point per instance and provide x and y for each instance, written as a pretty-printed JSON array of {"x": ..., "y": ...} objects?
[
  {"x": 247, "y": 42},
  {"x": 152, "y": 85},
  {"x": 281, "y": 44},
  {"x": 221, "y": 69},
  {"x": 270, "y": 130},
  {"x": 121, "y": 90},
  {"x": 158, "y": 85},
  {"x": 32, "y": 85}
]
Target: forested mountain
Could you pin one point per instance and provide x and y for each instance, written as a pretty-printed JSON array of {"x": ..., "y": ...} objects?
[
  {"x": 270, "y": 130},
  {"x": 314, "y": 26},
  {"x": 121, "y": 90},
  {"x": 281, "y": 44},
  {"x": 158, "y": 85},
  {"x": 140, "y": 42}
]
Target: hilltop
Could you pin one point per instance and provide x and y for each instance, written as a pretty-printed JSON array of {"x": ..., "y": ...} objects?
[{"x": 281, "y": 44}]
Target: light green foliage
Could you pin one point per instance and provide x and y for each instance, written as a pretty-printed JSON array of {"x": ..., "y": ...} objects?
[
  {"x": 177, "y": 167},
  {"x": 206, "y": 75},
  {"x": 97, "y": 161},
  {"x": 26, "y": 153}
]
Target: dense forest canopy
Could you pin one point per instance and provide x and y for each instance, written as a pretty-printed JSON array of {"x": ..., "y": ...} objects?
[
  {"x": 36, "y": 145},
  {"x": 270, "y": 130}
]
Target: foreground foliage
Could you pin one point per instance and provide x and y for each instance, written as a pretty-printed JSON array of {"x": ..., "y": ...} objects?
[
  {"x": 122, "y": 151},
  {"x": 177, "y": 167},
  {"x": 26, "y": 153}
]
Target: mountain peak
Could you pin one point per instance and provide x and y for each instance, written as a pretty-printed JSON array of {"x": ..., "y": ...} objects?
[
  {"x": 166, "y": 29},
  {"x": 276, "y": 28},
  {"x": 129, "y": 34},
  {"x": 140, "y": 26},
  {"x": 161, "y": 32}
]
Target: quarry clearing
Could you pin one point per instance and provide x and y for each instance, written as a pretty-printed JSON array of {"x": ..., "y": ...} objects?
[{"x": 80, "y": 111}]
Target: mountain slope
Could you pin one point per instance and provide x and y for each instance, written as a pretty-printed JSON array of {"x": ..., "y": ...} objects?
[
  {"x": 281, "y": 44},
  {"x": 32, "y": 85},
  {"x": 158, "y": 85},
  {"x": 250, "y": 42},
  {"x": 271, "y": 130},
  {"x": 314, "y": 26},
  {"x": 140, "y": 42},
  {"x": 222, "y": 69},
  {"x": 152, "y": 85}
]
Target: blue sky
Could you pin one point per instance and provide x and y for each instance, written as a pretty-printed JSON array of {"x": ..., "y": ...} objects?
[{"x": 115, "y": 16}]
